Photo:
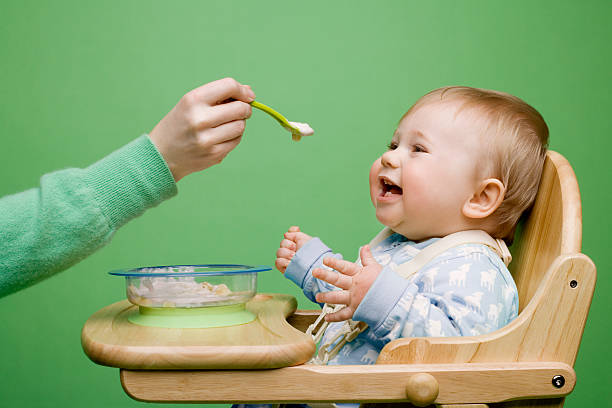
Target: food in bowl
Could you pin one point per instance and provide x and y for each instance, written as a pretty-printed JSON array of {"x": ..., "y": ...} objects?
[{"x": 188, "y": 286}]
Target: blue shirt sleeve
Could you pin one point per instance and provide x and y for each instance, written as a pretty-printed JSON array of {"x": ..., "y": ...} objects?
[
  {"x": 307, "y": 258},
  {"x": 452, "y": 296}
]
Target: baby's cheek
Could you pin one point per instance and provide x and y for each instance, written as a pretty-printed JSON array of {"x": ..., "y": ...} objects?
[
  {"x": 374, "y": 170},
  {"x": 417, "y": 188}
]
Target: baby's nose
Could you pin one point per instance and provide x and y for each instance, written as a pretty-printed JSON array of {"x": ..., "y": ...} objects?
[{"x": 389, "y": 159}]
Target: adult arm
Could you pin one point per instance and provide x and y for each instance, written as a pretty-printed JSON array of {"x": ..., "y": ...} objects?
[{"x": 74, "y": 212}]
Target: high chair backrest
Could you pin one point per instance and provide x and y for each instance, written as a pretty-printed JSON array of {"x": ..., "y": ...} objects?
[{"x": 552, "y": 227}]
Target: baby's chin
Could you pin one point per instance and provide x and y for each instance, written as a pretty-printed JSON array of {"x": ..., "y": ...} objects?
[
  {"x": 400, "y": 228},
  {"x": 386, "y": 220}
]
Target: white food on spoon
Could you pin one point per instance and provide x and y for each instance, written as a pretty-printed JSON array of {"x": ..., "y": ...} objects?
[{"x": 304, "y": 128}]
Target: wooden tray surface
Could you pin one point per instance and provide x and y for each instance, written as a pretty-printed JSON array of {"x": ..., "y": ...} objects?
[{"x": 108, "y": 338}]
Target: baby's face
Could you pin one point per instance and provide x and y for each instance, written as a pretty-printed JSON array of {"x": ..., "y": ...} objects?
[{"x": 419, "y": 185}]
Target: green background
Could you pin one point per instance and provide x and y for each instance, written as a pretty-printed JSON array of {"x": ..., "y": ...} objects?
[{"x": 80, "y": 79}]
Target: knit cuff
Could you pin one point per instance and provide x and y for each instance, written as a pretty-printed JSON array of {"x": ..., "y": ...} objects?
[
  {"x": 304, "y": 259},
  {"x": 130, "y": 180}
]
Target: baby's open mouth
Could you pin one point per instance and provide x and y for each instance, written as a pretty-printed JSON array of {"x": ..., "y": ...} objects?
[{"x": 389, "y": 188}]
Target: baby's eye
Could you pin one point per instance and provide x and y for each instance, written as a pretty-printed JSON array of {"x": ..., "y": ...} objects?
[
  {"x": 419, "y": 149},
  {"x": 392, "y": 145}
]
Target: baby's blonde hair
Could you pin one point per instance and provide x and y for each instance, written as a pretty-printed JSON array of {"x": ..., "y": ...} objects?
[{"x": 515, "y": 140}]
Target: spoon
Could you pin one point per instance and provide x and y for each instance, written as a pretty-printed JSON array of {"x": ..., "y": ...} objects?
[{"x": 297, "y": 129}]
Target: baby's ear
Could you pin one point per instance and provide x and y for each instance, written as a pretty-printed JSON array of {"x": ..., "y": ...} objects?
[{"x": 486, "y": 199}]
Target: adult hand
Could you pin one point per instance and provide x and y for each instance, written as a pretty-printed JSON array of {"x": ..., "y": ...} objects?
[
  {"x": 354, "y": 279},
  {"x": 203, "y": 127},
  {"x": 293, "y": 240}
]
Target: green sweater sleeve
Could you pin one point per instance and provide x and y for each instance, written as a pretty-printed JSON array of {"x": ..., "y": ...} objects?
[{"x": 74, "y": 212}]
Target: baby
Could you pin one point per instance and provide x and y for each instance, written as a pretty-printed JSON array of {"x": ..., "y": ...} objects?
[{"x": 461, "y": 159}]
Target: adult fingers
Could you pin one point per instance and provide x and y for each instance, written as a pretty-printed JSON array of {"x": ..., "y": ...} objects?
[
  {"x": 221, "y": 150},
  {"x": 285, "y": 243},
  {"x": 365, "y": 253},
  {"x": 336, "y": 297},
  {"x": 333, "y": 277},
  {"x": 214, "y": 116},
  {"x": 343, "y": 314},
  {"x": 222, "y": 133},
  {"x": 284, "y": 253},
  {"x": 345, "y": 267},
  {"x": 218, "y": 91}
]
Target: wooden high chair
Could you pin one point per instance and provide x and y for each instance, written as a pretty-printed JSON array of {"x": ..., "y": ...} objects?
[{"x": 528, "y": 363}]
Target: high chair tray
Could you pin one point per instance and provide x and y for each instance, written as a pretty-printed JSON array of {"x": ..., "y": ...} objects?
[{"x": 108, "y": 338}]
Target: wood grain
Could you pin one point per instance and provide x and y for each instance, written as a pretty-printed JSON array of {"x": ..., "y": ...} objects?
[
  {"x": 458, "y": 383},
  {"x": 108, "y": 338},
  {"x": 553, "y": 228}
]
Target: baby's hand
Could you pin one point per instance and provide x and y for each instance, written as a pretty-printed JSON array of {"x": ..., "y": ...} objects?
[
  {"x": 203, "y": 127},
  {"x": 292, "y": 242},
  {"x": 354, "y": 279}
]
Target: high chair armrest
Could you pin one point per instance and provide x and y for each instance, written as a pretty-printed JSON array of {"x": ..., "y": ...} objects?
[
  {"x": 421, "y": 384},
  {"x": 301, "y": 319},
  {"x": 549, "y": 328}
]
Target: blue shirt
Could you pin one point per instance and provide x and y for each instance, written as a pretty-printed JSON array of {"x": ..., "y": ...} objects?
[{"x": 465, "y": 291}]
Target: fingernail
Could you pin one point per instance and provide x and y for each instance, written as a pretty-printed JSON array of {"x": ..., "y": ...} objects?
[{"x": 250, "y": 92}]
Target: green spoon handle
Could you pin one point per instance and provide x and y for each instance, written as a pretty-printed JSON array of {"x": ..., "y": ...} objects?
[
  {"x": 280, "y": 118},
  {"x": 295, "y": 132}
]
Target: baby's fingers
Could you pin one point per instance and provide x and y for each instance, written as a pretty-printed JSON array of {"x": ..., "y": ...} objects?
[
  {"x": 341, "y": 315},
  {"x": 333, "y": 277},
  {"x": 345, "y": 267},
  {"x": 365, "y": 253},
  {"x": 285, "y": 253},
  {"x": 281, "y": 264},
  {"x": 294, "y": 235},
  {"x": 336, "y": 297},
  {"x": 285, "y": 243}
]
